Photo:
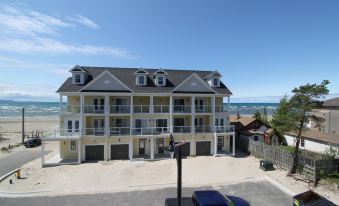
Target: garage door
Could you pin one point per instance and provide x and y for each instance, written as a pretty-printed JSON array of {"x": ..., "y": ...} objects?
[
  {"x": 185, "y": 149},
  {"x": 203, "y": 148},
  {"x": 94, "y": 152},
  {"x": 119, "y": 152}
]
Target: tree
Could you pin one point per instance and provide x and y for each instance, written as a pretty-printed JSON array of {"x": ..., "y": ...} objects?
[
  {"x": 294, "y": 114},
  {"x": 262, "y": 117},
  {"x": 257, "y": 115}
]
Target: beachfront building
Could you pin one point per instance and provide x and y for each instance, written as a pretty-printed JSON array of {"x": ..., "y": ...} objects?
[{"x": 129, "y": 113}]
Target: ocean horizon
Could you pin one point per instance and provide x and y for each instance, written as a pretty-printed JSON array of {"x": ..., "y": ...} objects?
[{"x": 9, "y": 108}]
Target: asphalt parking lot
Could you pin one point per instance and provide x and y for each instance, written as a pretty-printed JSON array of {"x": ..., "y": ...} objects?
[{"x": 259, "y": 193}]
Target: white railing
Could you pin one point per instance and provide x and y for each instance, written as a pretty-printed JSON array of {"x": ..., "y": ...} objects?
[
  {"x": 75, "y": 109},
  {"x": 181, "y": 109},
  {"x": 150, "y": 131},
  {"x": 141, "y": 108},
  {"x": 94, "y": 109},
  {"x": 120, "y": 109},
  {"x": 161, "y": 108},
  {"x": 203, "y": 129},
  {"x": 94, "y": 131},
  {"x": 203, "y": 109},
  {"x": 224, "y": 129},
  {"x": 119, "y": 131},
  {"x": 221, "y": 108},
  {"x": 182, "y": 129},
  {"x": 61, "y": 133}
]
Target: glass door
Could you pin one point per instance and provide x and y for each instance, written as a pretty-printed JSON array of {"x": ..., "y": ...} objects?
[{"x": 142, "y": 145}]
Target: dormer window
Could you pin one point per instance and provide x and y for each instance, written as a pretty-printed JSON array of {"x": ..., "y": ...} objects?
[
  {"x": 141, "y": 80},
  {"x": 77, "y": 78},
  {"x": 214, "y": 79},
  {"x": 160, "y": 77},
  {"x": 141, "y": 77},
  {"x": 79, "y": 75}
]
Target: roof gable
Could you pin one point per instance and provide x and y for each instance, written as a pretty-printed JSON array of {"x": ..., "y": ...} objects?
[
  {"x": 106, "y": 81},
  {"x": 77, "y": 68},
  {"x": 193, "y": 84}
]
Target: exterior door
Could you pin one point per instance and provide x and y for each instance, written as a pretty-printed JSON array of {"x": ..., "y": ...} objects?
[
  {"x": 142, "y": 146},
  {"x": 94, "y": 152},
  {"x": 203, "y": 148},
  {"x": 99, "y": 126},
  {"x": 220, "y": 143},
  {"x": 72, "y": 126},
  {"x": 99, "y": 105},
  {"x": 161, "y": 125},
  {"x": 119, "y": 151},
  {"x": 160, "y": 146}
]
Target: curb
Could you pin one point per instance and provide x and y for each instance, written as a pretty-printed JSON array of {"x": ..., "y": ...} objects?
[{"x": 3, "y": 177}]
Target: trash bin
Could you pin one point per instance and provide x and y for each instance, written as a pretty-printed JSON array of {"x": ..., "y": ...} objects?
[
  {"x": 266, "y": 165},
  {"x": 311, "y": 198}
]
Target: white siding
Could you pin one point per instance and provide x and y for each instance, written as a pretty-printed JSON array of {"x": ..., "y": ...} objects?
[
  {"x": 193, "y": 84},
  {"x": 309, "y": 145},
  {"x": 106, "y": 82}
]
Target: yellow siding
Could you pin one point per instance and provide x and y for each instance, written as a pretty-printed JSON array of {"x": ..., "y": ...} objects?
[
  {"x": 161, "y": 101},
  {"x": 141, "y": 100},
  {"x": 65, "y": 153}
]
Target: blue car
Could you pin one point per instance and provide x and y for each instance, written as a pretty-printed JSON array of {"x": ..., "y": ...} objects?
[{"x": 214, "y": 198}]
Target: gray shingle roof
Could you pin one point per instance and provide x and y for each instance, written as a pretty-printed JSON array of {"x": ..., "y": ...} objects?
[
  {"x": 127, "y": 76},
  {"x": 331, "y": 102}
]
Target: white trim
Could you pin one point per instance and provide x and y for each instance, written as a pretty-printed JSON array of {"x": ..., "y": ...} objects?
[
  {"x": 100, "y": 76},
  {"x": 161, "y": 70},
  {"x": 137, "y": 82},
  {"x": 199, "y": 78},
  {"x": 140, "y": 94},
  {"x": 141, "y": 69},
  {"x": 77, "y": 67}
]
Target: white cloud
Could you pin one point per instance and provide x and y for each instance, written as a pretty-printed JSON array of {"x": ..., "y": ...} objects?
[
  {"x": 26, "y": 31},
  {"x": 26, "y": 92},
  {"x": 84, "y": 21}
]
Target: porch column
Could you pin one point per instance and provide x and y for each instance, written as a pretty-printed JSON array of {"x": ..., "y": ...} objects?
[
  {"x": 131, "y": 109},
  {"x": 151, "y": 104},
  {"x": 215, "y": 144},
  {"x": 233, "y": 145},
  {"x": 193, "y": 114},
  {"x": 171, "y": 114},
  {"x": 42, "y": 153},
  {"x": 79, "y": 151},
  {"x": 152, "y": 148},
  {"x": 107, "y": 133},
  {"x": 60, "y": 104},
  {"x": 130, "y": 150},
  {"x": 81, "y": 122},
  {"x": 193, "y": 145},
  {"x": 228, "y": 103},
  {"x": 213, "y": 112}
]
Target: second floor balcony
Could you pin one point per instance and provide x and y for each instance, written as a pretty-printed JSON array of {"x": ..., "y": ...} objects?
[
  {"x": 120, "y": 131},
  {"x": 94, "y": 109},
  {"x": 224, "y": 129},
  {"x": 182, "y": 109},
  {"x": 120, "y": 109},
  {"x": 141, "y": 108},
  {"x": 151, "y": 131},
  {"x": 94, "y": 131}
]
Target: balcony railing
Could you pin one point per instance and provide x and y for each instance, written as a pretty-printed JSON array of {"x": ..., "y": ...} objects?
[
  {"x": 182, "y": 129},
  {"x": 119, "y": 131},
  {"x": 94, "y": 131},
  {"x": 182, "y": 109},
  {"x": 224, "y": 129},
  {"x": 94, "y": 109},
  {"x": 221, "y": 108},
  {"x": 120, "y": 109},
  {"x": 150, "y": 131},
  {"x": 203, "y": 109},
  {"x": 161, "y": 108},
  {"x": 203, "y": 129},
  {"x": 74, "y": 109},
  {"x": 61, "y": 133},
  {"x": 141, "y": 109}
]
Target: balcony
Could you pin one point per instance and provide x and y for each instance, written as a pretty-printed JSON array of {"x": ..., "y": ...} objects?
[
  {"x": 203, "y": 129},
  {"x": 224, "y": 129},
  {"x": 61, "y": 134},
  {"x": 181, "y": 109},
  {"x": 203, "y": 109},
  {"x": 94, "y": 131},
  {"x": 119, "y": 131},
  {"x": 94, "y": 109},
  {"x": 72, "y": 109},
  {"x": 161, "y": 108},
  {"x": 221, "y": 108},
  {"x": 182, "y": 129},
  {"x": 120, "y": 109},
  {"x": 151, "y": 131},
  {"x": 141, "y": 109}
]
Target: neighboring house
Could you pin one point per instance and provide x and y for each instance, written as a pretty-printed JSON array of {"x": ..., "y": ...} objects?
[
  {"x": 314, "y": 141},
  {"x": 249, "y": 128},
  {"x": 330, "y": 112},
  {"x": 319, "y": 138},
  {"x": 126, "y": 113}
]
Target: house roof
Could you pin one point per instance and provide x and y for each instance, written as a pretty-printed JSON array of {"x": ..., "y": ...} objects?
[
  {"x": 242, "y": 120},
  {"x": 331, "y": 102},
  {"x": 127, "y": 76},
  {"x": 319, "y": 136}
]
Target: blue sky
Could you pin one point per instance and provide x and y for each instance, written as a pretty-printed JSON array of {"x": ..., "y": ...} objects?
[{"x": 263, "y": 48}]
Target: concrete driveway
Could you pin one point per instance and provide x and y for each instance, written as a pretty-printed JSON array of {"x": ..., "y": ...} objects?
[{"x": 258, "y": 193}]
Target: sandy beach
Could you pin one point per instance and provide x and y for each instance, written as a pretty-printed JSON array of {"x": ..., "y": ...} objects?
[{"x": 10, "y": 127}]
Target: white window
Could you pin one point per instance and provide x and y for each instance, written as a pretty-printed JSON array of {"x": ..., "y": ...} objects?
[
  {"x": 77, "y": 78},
  {"x": 160, "y": 80},
  {"x": 221, "y": 122},
  {"x": 216, "y": 122},
  {"x": 73, "y": 145},
  {"x": 216, "y": 82},
  {"x": 141, "y": 80}
]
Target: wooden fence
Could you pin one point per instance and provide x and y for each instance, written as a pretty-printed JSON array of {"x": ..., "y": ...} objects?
[{"x": 310, "y": 165}]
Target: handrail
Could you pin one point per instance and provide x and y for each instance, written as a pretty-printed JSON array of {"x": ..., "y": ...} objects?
[
  {"x": 141, "y": 108},
  {"x": 94, "y": 131},
  {"x": 224, "y": 129},
  {"x": 70, "y": 108},
  {"x": 94, "y": 109},
  {"x": 150, "y": 131},
  {"x": 182, "y": 129},
  {"x": 203, "y": 128},
  {"x": 203, "y": 108},
  {"x": 120, "y": 109},
  {"x": 161, "y": 108},
  {"x": 221, "y": 108},
  {"x": 181, "y": 108},
  {"x": 119, "y": 131}
]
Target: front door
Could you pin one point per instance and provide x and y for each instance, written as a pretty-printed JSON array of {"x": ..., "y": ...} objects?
[
  {"x": 142, "y": 146},
  {"x": 72, "y": 126},
  {"x": 220, "y": 143},
  {"x": 160, "y": 146}
]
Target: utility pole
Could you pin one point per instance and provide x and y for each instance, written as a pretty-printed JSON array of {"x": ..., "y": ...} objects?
[{"x": 23, "y": 126}]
